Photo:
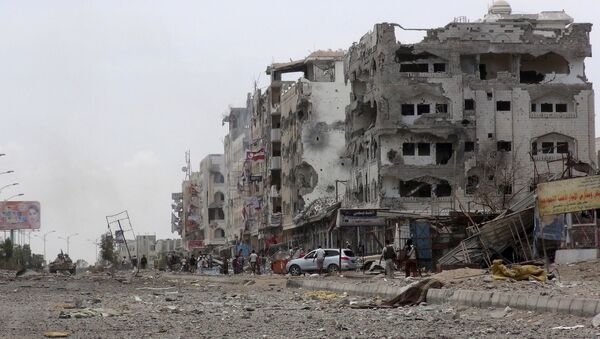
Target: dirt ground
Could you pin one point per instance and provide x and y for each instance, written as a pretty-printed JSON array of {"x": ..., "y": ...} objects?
[{"x": 157, "y": 305}]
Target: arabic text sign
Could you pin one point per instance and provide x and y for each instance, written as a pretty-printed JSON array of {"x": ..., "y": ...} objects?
[
  {"x": 359, "y": 217},
  {"x": 569, "y": 195},
  {"x": 19, "y": 215}
]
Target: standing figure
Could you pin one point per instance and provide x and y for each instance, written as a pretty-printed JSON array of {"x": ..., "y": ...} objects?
[
  {"x": 389, "y": 255},
  {"x": 410, "y": 267},
  {"x": 320, "y": 257},
  {"x": 144, "y": 262},
  {"x": 253, "y": 260}
]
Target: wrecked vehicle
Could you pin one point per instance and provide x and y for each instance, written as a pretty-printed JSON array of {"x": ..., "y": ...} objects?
[
  {"x": 331, "y": 263},
  {"x": 62, "y": 263}
]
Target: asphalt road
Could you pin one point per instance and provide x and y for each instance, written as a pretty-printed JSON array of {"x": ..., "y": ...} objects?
[{"x": 161, "y": 306}]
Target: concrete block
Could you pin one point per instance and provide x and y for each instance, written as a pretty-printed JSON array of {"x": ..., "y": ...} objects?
[
  {"x": 463, "y": 297},
  {"x": 475, "y": 298},
  {"x": 542, "y": 304},
  {"x": 521, "y": 301},
  {"x": 552, "y": 305},
  {"x": 514, "y": 300},
  {"x": 532, "y": 301},
  {"x": 486, "y": 299},
  {"x": 589, "y": 308},
  {"x": 576, "y": 307},
  {"x": 496, "y": 299},
  {"x": 567, "y": 256},
  {"x": 504, "y": 299},
  {"x": 564, "y": 305}
]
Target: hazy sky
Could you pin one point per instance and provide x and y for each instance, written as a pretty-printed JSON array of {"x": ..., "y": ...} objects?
[{"x": 100, "y": 99}]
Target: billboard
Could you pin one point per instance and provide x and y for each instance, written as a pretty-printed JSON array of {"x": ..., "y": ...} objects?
[
  {"x": 19, "y": 215},
  {"x": 195, "y": 244},
  {"x": 359, "y": 217},
  {"x": 119, "y": 237},
  {"x": 570, "y": 195}
]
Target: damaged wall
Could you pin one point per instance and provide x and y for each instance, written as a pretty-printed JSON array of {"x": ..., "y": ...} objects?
[{"x": 499, "y": 85}]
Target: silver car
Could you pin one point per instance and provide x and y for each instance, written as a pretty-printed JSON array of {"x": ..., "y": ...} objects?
[{"x": 332, "y": 257}]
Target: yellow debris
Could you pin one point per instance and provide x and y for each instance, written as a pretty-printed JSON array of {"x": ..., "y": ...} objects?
[
  {"x": 322, "y": 295},
  {"x": 517, "y": 272}
]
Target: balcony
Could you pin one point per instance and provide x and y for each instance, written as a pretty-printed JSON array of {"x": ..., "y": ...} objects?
[
  {"x": 276, "y": 135},
  {"x": 275, "y": 163}
]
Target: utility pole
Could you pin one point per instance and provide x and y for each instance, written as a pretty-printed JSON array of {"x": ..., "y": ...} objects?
[
  {"x": 68, "y": 239},
  {"x": 43, "y": 237}
]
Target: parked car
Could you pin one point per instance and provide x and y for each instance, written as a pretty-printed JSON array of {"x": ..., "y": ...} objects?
[{"x": 332, "y": 258}]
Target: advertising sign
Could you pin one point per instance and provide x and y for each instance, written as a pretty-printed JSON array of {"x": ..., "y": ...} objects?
[
  {"x": 19, "y": 215},
  {"x": 195, "y": 244},
  {"x": 359, "y": 217},
  {"x": 569, "y": 195},
  {"x": 119, "y": 237}
]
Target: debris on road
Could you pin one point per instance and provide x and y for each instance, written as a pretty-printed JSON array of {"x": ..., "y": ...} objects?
[{"x": 56, "y": 334}]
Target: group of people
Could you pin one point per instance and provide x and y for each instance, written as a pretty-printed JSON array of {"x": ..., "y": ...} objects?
[
  {"x": 143, "y": 262},
  {"x": 408, "y": 256},
  {"x": 258, "y": 262}
]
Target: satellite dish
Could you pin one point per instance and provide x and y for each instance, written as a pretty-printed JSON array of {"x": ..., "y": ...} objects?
[{"x": 184, "y": 169}]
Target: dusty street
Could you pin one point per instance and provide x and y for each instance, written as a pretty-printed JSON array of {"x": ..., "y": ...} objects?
[{"x": 184, "y": 306}]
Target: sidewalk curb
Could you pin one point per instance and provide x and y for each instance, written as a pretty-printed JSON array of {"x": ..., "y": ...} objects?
[
  {"x": 481, "y": 299},
  {"x": 366, "y": 290}
]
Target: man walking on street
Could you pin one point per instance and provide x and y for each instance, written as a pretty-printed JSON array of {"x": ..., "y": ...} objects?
[
  {"x": 320, "y": 257},
  {"x": 411, "y": 259},
  {"x": 253, "y": 260},
  {"x": 388, "y": 254}
]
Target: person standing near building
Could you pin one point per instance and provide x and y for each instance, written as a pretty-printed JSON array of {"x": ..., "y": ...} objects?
[
  {"x": 388, "y": 254},
  {"x": 253, "y": 260},
  {"x": 320, "y": 257},
  {"x": 143, "y": 262},
  {"x": 411, "y": 259}
]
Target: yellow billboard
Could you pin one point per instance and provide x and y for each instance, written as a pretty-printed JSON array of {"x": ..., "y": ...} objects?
[{"x": 570, "y": 195}]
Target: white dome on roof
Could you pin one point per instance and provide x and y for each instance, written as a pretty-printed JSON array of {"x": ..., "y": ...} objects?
[{"x": 500, "y": 7}]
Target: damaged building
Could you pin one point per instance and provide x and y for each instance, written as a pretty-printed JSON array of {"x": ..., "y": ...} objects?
[
  {"x": 297, "y": 142},
  {"x": 203, "y": 221},
  {"x": 312, "y": 145},
  {"x": 235, "y": 144},
  {"x": 469, "y": 116}
]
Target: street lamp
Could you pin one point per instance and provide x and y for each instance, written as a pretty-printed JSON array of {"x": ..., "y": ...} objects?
[
  {"x": 14, "y": 196},
  {"x": 44, "y": 238},
  {"x": 5, "y": 186},
  {"x": 68, "y": 239},
  {"x": 97, "y": 243}
]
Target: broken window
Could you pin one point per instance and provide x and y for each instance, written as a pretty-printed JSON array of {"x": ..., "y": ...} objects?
[
  {"x": 414, "y": 68},
  {"x": 219, "y": 197},
  {"x": 215, "y": 214},
  {"x": 505, "y": 189},
  {"x": 490, "y": 135},
  {"x": 490, "y": 95},
  {"x": 443, "y": 153},
  {"x": 472, "y": 183},
  {"x": 439, "y": 68},
  {"x": 424, "y": 149},
  {"x": 443, "y": 189},
  {"x": 469, "y": 146},
  {"x": 441, "y": 108},
  {"x": 533, "y": 107},
  {"x": 423, "y": 109},
  {"x": 468, "y": 64},
  {"x": 535, "y": 69},
  {"x": 547, "y": 147},
  {"x": 490, "y": 64},
  {"x": 408, "y": 149},
  {"x": 562, "y": 147},
  {"x": 534, "y": 149},
  {"x": 415, "y": 188},
  {"x": 502, "y": 106},
  {"x": 219, "y": 178},
  {"x": 561, "y": 108},
  {"x": 504, "y": 146},
  {"x": 546, "y": 108},
  {"x": 408, "y": 109},
  {"x": 469, "y": 104}
]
